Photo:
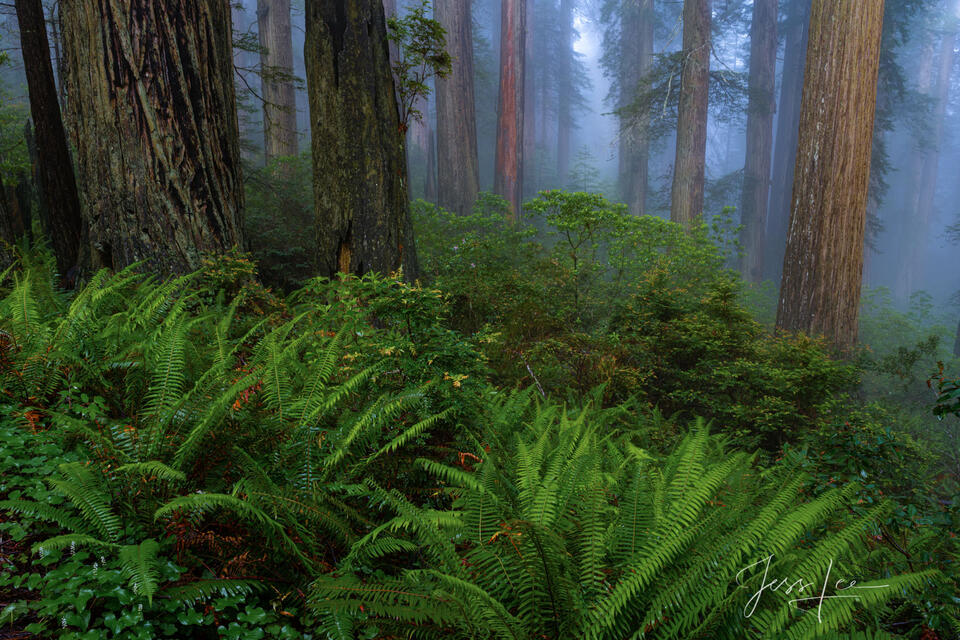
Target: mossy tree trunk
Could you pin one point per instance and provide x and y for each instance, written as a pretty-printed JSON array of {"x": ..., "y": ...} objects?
[
  {"x": 507, "y": 177},
  {"x": 359, "y": 169},
  {"x": 760, "y": 110},
  {"x": 686, "y": 200},
  {"x": 62, "y": 217},
  {"x": 823, "y": 266},
  {"x": 458, "y": 167},
  {"x": 155, "y": 125},
  {"x": 279, "y": 97}
]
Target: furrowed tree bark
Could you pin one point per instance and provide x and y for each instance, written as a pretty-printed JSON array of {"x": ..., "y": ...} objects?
[
  {"x": 686, "y": 202},
  {"x": 458, "y": 166},
  {"x": 564, "y": 90},
  {"x": 61, "y": 214},
  {"x": 279, "y": 96},
  {"x": 788, "y": 127},
  {"x": 508, "y": 178},
  {"x": 822, "y": 270},
  {"x": 760, "y": 110},
  {"x": 151, "y": 91},
  {"x": 359, "y": 167}
]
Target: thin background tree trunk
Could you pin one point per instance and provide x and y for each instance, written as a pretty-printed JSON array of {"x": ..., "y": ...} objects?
[
  {"x": 61, "y": 213},
  {"x": 457, "y": 167},
  {"x": 564, "y": 91},
  {"x": 359, "y": 169},
  {"x": 508, "y": 178},
  {"x": 788, "y": 127},
  {"x": 760, "y": 110},
  {"x": 637, "y": 48},
  {"x": 531, "y": 176},
  {"x": 279, "y": 96},
  {"x": 822, "y": 270},
  {"x": 918, "y": 228},
  {"x": 686, "y": 201}
]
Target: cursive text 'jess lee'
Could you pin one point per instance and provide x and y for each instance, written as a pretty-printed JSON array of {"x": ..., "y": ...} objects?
[{"x": 799, "y": 586}]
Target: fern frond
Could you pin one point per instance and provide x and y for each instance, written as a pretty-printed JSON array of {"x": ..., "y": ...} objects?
[{"x": 140, "y": 565}]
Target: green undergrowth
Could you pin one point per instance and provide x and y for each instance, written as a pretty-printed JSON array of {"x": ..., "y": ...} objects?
[{"x": 570, "y": 428}]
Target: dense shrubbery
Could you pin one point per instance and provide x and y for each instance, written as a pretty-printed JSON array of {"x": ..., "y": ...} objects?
[{"x": 353, "y": 459}]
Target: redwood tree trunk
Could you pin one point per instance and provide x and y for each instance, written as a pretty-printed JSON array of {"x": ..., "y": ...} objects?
[
  {"x": 760, "y": 110},
  {"x": 57, "y": 184},
  {"x": 458, "y": 167},
  {"x": 920, "y": 209},
  {"x": 279, "y": 96},
  {"x": 508, "y": 179},
  {"x": 531, "y": 175},
  {"x": 564, "y": 91},
  {"x": 151, "y": 92},
  {"x": 822, "y": 270},
  {"x": 359, "y": 168},
  {"x": 788, "y": 127},
  {"x": 688, "y": 172},
  {"x": 636, "y": 43}
]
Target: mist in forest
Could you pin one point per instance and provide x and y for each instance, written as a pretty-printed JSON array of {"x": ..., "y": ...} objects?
[
  {"x": 905, "y": 256},
  {"x": 913, "y": 193},
  {"x": 463, "y": 319}
]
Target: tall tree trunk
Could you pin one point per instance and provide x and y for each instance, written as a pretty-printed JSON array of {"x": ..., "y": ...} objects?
[
  {"x": 359, "y": 168},
  {"x": 151, "y": 90},
  {"x": 279, "y": 96},
  {"x": 788, "y": 127},
  {"x": 390, "y": 11},
  {"x": 686, "y": 201},
  {"x": 57, "y": 184},
  {"x": 56, "y": 41},
  {"x": 920, "y": 209},
  {"x": 508, "y": 178},
  {"x": 531, "y": 176},
  {"x": 457, "y": 166},
  {"x": 905, "y": 223},
  {"x": 822, "y": 270},
  {"x": 760, "y": 110},
  {"x": 636, "y": 42},
  {"x": 564, "y": 91},
  {"x": 430, "y": 186}
]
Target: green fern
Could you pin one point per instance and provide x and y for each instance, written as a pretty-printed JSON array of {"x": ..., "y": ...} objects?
[{"x": 567, "y": 534}]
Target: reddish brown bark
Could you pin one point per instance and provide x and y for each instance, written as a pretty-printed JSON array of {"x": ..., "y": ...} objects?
[
  {"x": 508, "y": 179},
  {"x": 686, "y": 202},
  {"x": 760, "y": 110},
  {"x": 822, "y": 270}
]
